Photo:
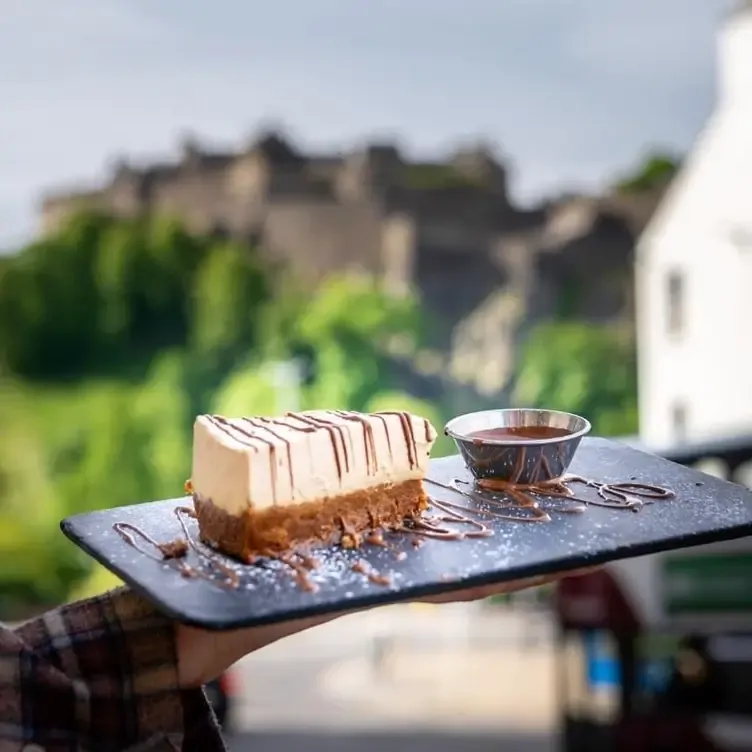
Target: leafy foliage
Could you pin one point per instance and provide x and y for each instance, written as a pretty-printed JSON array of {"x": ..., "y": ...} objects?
[
  {"x": 114, "y": 334},
  {"x": 656, "y": 171},
  {"x": 588, "y": 369}
]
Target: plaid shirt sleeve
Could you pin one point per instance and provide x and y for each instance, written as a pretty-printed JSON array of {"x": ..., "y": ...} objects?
[{"x": 99, "y": 674}]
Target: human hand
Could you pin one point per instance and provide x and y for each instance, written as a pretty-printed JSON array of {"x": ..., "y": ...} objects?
[{"x": 204, "y": 655}]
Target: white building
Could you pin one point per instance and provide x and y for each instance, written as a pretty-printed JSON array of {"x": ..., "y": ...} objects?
[
  {"x": 694, "y": 305},
  {"x": 694, "y": 272}
]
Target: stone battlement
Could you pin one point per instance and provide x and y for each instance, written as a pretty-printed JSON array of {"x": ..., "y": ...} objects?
[{"x": 485, "y": 270}]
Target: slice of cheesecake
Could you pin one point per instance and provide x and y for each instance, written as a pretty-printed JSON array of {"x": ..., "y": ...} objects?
[{"x": 267, "y": 485}]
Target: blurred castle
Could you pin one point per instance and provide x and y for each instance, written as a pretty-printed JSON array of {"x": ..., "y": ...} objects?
[{"x": 485, "y": 269}]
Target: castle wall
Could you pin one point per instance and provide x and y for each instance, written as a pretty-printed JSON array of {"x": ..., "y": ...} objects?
[
  {"x": 56, "y": 209},
  {"x": 485, "y": 271},
  {"x": 322, "y": 237},
  {"x": 201, "y": 199}
]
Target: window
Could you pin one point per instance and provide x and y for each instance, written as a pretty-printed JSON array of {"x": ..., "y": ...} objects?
[
  {"x": 675, "y": 303},
  {"x": 679, "y": 422},
  {"x": 741, "y": 238}
]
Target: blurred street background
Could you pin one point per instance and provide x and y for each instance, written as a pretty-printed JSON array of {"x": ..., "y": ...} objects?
[
  {"x": 440, "y": 207},
  {"x": 436, "y": 673}
]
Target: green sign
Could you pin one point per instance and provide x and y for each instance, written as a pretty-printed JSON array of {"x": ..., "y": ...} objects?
[{"x": 708, "y": 584}]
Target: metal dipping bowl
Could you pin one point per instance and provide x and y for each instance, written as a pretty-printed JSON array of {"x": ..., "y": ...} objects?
[{"x": 521, "y": 461}]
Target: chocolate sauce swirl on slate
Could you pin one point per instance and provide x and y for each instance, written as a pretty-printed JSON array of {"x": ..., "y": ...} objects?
[
  {"x": 302, "y": 569},
  {"x": 507, "y": 495},
  {"x": 232, "y": 580},
  {"x": 362, "y": 567},
  {"x": 173, "y": 553}
]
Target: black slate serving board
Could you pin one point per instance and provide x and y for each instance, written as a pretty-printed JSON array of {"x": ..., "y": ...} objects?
[{"x": 704, "y": 510}]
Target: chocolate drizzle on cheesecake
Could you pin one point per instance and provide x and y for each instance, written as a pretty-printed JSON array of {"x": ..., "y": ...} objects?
[
  {"x": 369, "y": 444},
  {"x": 225, "y": 425},
  {"x": 249, "y": 439},
  {"x": 409, "y": 433},
  {"x": 251, "y": 432},
  {"x": 314, "y": 422},
  {"x": 382, "y": 418},
  {"x": 262, "y": 424}
]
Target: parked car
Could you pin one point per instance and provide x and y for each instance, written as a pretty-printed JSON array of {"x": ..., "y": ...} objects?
[{"x": 221, "y": 694}]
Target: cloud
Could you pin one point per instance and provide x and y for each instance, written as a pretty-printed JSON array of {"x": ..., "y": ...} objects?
[
  {"x": 571, "y": 89},
  {"x": 43, "y": 40}
]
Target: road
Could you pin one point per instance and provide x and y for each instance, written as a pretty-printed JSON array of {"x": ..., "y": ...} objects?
[
  {"x": 394, "y": 742},
  {"x": 462, "y": 671}
]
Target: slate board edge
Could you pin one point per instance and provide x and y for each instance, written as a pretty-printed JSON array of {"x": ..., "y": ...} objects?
[{"x": 411, "y": 593}]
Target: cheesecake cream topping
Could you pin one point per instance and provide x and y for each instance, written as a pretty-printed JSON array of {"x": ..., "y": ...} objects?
[{"x": 262, "y": 462}]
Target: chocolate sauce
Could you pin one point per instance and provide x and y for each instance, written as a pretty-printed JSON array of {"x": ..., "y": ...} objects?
[
  {"x": 249, "y": 438},
  {"x": 369, "y": 443},
  {"x": 362, "y": 567},
  {"x": 233, "y": 430},
  {"x": 301, "y": 568},
  {"x": 376, "y": 538},
  {"x": 173, "y": 552},
  {"x": 409, "y": 434},
  {"x": 524, "y": 499},
  {"x": 382, "y": 418},
  {"x": 175, "y": 549},
  {"x": 261, "y": 423},
  {"x": 286, "y": 424},
  {"x": 226, "y": 425},
  {"x": 232, "y": 579},
  {"x": 514, "y": 434},
  {"x": 334, "y": 431}
]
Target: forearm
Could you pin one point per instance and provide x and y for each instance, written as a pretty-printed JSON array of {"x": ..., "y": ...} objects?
[
  {"x": 204, "y": 655},
  {"x": 101, "y": 673}
]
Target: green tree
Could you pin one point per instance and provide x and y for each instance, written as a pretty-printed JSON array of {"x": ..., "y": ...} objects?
[
  {"x": 114, "y": 334},
  {"x": 231, "y": 288},
  {"x": 588, "y": 369},
  {"x": 655, "y": 171},
  {"x": 104, "y": 296},
  {"x": 349, "y": 323},
  {"x": 249, "y": 390},
  {"x": 36, "y": 563}
]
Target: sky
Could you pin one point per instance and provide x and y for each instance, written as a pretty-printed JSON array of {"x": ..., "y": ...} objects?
[{"x": 572, "y": 92}]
